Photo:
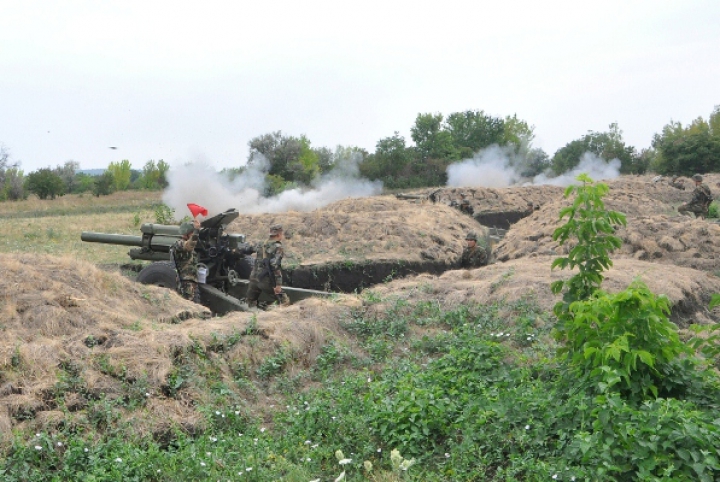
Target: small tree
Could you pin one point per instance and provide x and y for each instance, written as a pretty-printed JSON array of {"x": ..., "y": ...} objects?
[
  {"x": 104, "y": 184},
  {"x": 121, "y": 172},
  {"x": 45, "y": 184},
  {"x": 611, "y": 338}
]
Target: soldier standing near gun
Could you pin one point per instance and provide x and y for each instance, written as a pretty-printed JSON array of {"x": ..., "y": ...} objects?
[
  {"x": 266, "y": 276},
  {"x": 700, "y": 202},
  {"x": 186, "y": 261}
]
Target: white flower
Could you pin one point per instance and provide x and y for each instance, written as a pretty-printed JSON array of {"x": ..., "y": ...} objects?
[
  {"x": 237, "y": 412},
  {"x": 554, "y": 476},
  {"x": 340, "y": 477},
  {"x": 158, "y": 471},
  {"x": 315, "y": 446},
  {"x": 345, "y": 461},
  {"x": 308, "y": 459},
  {"x": 147, "y": 394},
  {"x": 315, "y": 480},
  {"x": 334, "y": 418},
  {"x": 369, "y": 379},
  {"x": 217, "y": 412},
  {"x": 213, "y": 439},
  {"x": 85, "y": 449},
  {"x": 37, "y": 447},
  {"x": 118, "y": 460},
  {"x": 37, "y": 435},
  {"x": 447, "y": 455},
  {"x": 59, "y": 444},
  {"x": 527, "y": 427},
  {"x": 208, "y": 454},
  {"x": 379, "y": 450},
  {"x": 572, "y": 478},
  {"x": 529, "y": 338},
  {"x": 307, "y": 442},
  {"x": 202, "y": 464},
  {"x": 262, "y": 430},
  {"x": 248, "y": 469}
]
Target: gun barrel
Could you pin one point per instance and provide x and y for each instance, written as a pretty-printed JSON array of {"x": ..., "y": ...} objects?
[{"x": 119, "y": 239}]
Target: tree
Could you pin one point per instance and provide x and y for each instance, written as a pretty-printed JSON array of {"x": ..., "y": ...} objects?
[
  {"x": 606, "y": 145},
  {"x": 67, "y": 173},
  {"x": 687, "y": 150},
  {"x": 121, "y": 172},
  {"x": 473, "y": 130},
  {"x": 281, "y": 153},
  {"x": 391, "y": 157},
  {"x": 45, "y": 183},
  {"x": 150, "y": 178},
  {"x": 163, "y": 168},
  {"x": 11, "y": 178},
  {"x": 432, "y": 140},
  {"x": 104, "y": 184}
]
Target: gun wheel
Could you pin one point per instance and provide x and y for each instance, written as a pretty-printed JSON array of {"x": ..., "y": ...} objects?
[{"x": 159, "y": 274}]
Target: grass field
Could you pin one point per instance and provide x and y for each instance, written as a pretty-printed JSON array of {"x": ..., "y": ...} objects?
[{"x": 54, "y": 226}]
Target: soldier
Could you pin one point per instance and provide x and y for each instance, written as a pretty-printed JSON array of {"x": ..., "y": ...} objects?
[
  {"x": 473, "y": 256},
  {"x": 186, "y": 261},
  {"x": 700, "y": 202},
  {"x": 266, "y": 276},
  {"x": 466, "y": 208},
  {"x": 677, "y": 183}
]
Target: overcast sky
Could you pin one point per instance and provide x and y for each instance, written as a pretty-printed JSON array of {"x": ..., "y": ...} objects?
[{"x": 189, "y": 81}]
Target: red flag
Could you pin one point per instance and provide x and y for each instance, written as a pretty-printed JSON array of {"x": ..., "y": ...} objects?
[{"x": 196, "y": 209}]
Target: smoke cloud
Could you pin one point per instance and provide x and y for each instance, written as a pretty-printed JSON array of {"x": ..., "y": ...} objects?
[
  {"x": 201, "y": 184},
  {"x": 498, "y": 166}
]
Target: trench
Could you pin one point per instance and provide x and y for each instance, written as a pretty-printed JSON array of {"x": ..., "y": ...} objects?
[{"x": 349, "y": 277}]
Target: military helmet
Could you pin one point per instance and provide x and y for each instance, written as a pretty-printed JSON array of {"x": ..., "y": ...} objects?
[
  {"x": 186, "y": 228},
  {"x": 275, "y": 229},
  {"x": 697, "y": 178},
  {"x": 471, "y": 236}
]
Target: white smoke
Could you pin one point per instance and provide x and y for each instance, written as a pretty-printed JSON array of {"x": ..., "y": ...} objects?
[
  {"x": 490, "y": 167},
  {"x": 200, "y": 184},
  {"x": 590, "y": 164},
  {"x": 497, "y": 166}
]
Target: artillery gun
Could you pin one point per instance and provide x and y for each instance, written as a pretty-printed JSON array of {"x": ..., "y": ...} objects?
[{"x": 225, "y": 256}]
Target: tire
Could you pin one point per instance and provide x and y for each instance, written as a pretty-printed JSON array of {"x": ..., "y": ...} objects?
[{"x": 159, "y": 274}]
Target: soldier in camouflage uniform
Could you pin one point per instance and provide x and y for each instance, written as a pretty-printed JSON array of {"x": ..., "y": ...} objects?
[
  {"x": 473, "y": 256},
  {"x": 186, "y": 262},
  {"x": 700, "y": 203},
  {"x": 465, "y": 207},
  {"x": 266, "y": 276},
  {"x": 677, "y": 183}
]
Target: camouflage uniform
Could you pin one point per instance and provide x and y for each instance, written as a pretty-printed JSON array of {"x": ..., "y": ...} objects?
[
  {"x": 700, "y": 203},
  {"x": 260, "y": 280},
  {"x": 677, "y": 184},
  {"x": 466, "y": 208},
  {"x": 186, "y": 265},
  {"x": 473, "y": 257}
]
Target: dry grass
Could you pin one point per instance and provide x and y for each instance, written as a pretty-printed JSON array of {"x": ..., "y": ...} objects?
[
  {"x": 369, "y": 229},
  {"x": 54, "y": 226}
]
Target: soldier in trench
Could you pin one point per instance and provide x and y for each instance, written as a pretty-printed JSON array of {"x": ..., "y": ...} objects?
[
  {"x": 266, "y": 275},
  {"x": 186, "y": 261},
  {"x": 473, "y": 256}
]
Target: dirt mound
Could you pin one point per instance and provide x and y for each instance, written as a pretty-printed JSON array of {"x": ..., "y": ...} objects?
[
  {"x": 374, "y": 228},
  {"x": 58, "y": 313},
  {"x": 75, "y": 337},
  {"x": 654, "y": 231},
  {"x": 689, "y": 289}
]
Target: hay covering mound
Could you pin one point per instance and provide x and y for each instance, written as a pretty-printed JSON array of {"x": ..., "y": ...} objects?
[
  {"x": 60, "y": 312},
  {"x": 368, "y": 229},
  {"x": 73, "y": 335},
  {"x": 688, "y": 289},
  {"x": 484, "y": 199},
  {"x": 654, "y": 231},
  {"x": 112, "y": 341}
]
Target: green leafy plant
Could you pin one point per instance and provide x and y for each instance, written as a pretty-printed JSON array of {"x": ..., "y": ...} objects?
[
  {"x": 164, "y": 214},
  {"x": 592, "y": 226}
]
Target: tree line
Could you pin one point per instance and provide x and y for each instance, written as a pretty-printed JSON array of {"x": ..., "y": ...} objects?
[
  {"x": 49, "y": 183},
  {"x": 437, "y": 141}
]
